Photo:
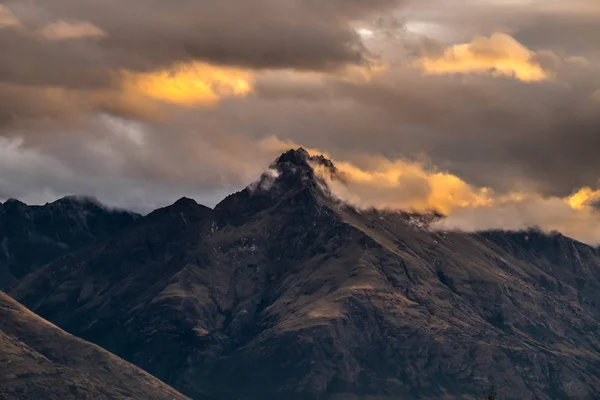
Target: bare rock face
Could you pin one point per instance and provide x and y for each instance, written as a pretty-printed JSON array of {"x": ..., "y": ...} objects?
[
  {"x": 40, "y": 361},
  {"x": 31, "y": 236},
  {"x": 281, "y": 292}
]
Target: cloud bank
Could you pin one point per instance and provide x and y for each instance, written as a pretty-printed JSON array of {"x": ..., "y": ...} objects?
[{"x": 487, "y": 111}]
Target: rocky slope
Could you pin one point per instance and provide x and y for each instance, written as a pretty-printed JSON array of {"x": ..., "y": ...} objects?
[
  {"x": 40, "y": 361},
  {"x": 281, "y": 292},
  {"x": 31, "y": 236}
]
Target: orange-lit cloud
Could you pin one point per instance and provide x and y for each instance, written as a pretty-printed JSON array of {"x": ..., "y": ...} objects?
[
  {"x": 584, "y": 197},
  {"x": 62, "y": 30},
  {"x": 403, "y": 185},
  {"x": 409, "y": 186},
  {"x": 192, "y": 84},
  {"x": 498, "y": 55},
  {"x": 8, "y": 19},
  {"x": 548, "y": 213},
  {"x": 406, "y": 185},
  {"x": 201, "y": 84},
  {"x": 412, "y": 186},
  {"x": 595, "y": 97},
  {"x": 397, "y": 184}
]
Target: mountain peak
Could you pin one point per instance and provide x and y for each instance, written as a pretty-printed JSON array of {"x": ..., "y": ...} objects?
[
  {"x": 14, "y": 203},
  {"x": 291, "y": 173},
  {"x": 299, "y": 161},
  {"x": 299, "y": 157},
  {"x": 296, "y": 169},
  {"x": 77, "y": 200},
  {"x": 186, "y": 202}
]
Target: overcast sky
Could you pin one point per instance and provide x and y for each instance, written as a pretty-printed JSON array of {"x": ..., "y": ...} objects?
[{"x": 487, "y": 110}]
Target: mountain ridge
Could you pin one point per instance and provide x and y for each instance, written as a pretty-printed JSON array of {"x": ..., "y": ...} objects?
[
  {"x": 31, "y": 236},
  {"x": 291, "y": 294},
  {"x": 40, "y": 361}
]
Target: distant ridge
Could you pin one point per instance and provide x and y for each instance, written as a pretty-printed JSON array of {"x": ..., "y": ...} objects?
[{"x": 31, "y": 236}]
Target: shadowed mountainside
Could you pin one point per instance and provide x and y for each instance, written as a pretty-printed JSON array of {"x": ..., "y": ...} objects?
[
  {"x": 31, "y": 236},
  {"x": 282, "y": 292},
  {"x": 40, "y": 361}
]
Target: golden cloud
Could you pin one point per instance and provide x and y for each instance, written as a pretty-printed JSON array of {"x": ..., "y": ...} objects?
[
  {"x": 397, "y": 184},
  {"x": 595, "y": 97},
  {"x": 406, "y": 185},
  {"x": 203, "y": 84},
  {"x": 192, "y": 84},
  {"x": 403, "y": 185},
  {"x": 498, "y": 55},
  {"x": 412, "y": 186},
  {"x": 8, "y": 19},
  {"x": 584, "y": 197},
  {"x": 548, "y": 213}
]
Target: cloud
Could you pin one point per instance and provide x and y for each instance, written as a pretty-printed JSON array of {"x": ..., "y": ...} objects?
[
  {"x": 403, "y": 185},
  {"x": 595, "y": 97},
  {"x": 551, "y": 25},
  {"x": 551, "y": 214},
  {"x": 62, "y": 30},
  {"x": 8, "y": 19},
  {"x": 192, "y": 53},
  {"x": 414, "y": 186},
  {"x": 195, "y": 98},
  {"x": 487, "y": 131},
  {"x": 30, "y": 105},
  {"x": 410, "y": 186},
  {"x": 123, "y": 163},
  {"x": 583, "y": 198},
  {"x": 191, "y": 84},
  {"x": 394, "y": 184},
  {"x": 307, "y": 34},
  {"x": 498, "y": 55},
  {"x": 24, "y": 167},
  {"x": 561, "y": 29}
]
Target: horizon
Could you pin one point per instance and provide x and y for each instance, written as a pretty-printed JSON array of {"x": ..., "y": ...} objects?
[{"x": 439, "y": 227}]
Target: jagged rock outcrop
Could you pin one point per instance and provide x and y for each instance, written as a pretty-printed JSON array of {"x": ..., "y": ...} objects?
[{"x": 282, "y": 292}]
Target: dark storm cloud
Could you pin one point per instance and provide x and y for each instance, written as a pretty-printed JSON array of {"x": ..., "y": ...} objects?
[
  {"x": 84, "y": 46},
  {"x": 570, "y": 33},
  {"x": 31, "y": 62},
  {"x": 303, "y": 34}
]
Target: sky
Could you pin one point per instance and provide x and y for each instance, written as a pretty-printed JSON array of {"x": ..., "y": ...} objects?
[{"x": 485, "y": 110}]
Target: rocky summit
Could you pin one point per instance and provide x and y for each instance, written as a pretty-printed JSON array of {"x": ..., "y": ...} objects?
[{"x": 283, "y": 292}]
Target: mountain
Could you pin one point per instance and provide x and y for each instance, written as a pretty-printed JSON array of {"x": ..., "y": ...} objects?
[
  {"x": 31, "y": 236},
  {"x": 283, "y": 292},
  {"x": 40, "y": 361}
]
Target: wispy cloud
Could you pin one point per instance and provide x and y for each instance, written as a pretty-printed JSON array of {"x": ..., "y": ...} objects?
[
  {"x": 8, "y": 19},
  {"x": 62, "y": 30}
]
